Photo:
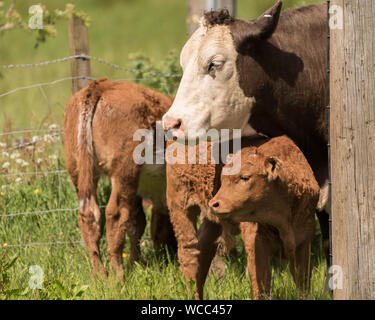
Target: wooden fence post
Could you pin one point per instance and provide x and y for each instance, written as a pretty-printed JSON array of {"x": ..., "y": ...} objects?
[
  {"x": 79, "y": 44},
  {"x": 352, "y": 139},
  {"x": 197, "y": 7}
]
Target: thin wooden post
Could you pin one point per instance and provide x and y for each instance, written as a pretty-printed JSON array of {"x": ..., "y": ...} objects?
[
  {"x": 79, "y": 44},
  {"x": 352, "y": 139},
  {"x": 197, "y": 7}
]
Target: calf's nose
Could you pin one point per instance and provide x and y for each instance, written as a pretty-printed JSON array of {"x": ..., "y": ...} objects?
[
  {"x": 213, "y": 204},
  {"x": 170, "y": 123}
]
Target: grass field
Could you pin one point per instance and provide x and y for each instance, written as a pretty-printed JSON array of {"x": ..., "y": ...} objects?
[
  {"x": 118, "y": 29},
  {"x": 54, "y": 241}
]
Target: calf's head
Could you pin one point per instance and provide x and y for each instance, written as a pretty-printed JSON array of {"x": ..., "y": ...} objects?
[
  {"x": 254, "y": 187},
  {"x": 210, "y": 94}
]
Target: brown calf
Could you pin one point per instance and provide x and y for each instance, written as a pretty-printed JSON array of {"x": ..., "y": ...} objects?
[
  {"x": 189, "y": 190},
  {"x": 99, "y": 123},
  {"x": 277, "y": 189}
]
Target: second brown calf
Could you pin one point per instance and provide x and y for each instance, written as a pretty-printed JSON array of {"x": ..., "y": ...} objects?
[{"x": 277, "y": 193}]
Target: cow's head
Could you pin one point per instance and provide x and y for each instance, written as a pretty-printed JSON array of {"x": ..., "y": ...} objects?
[{"x": 210, "y": 95}]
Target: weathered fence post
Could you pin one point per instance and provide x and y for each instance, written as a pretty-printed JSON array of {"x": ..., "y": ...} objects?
[
  {"x": 352, "y": 138},
  {"x": 197, "y": 7},
  {"x": 79, "y": 44}
]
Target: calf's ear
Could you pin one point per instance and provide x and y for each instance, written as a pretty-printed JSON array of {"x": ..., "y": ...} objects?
[
  {"x": 273, "y": 166},
  {"x": 246, "y": 32}
]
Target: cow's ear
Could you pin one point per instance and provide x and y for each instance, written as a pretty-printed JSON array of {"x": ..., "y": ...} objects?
[
  {"x": 266, "y": 24},
  {"x": 245, "y": 33},
  {"x": 273, "y": 167}
]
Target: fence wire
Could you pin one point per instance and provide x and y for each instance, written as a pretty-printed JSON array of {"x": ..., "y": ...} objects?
[
  {"x": 86, "y": 57},
  {"x": 54, "y": 133}
]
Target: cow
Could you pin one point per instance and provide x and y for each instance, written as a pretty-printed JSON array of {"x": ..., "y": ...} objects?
[
  {"x": 276, "y": 191},
  {"x": 267, "y": 75},
  {"x": 99, "y": 123}
]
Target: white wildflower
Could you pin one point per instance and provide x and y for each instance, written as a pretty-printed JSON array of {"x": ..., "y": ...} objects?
[
  {"x": 5, "y": 154},
  {"x": 40, "y": 150},
  {"x": 4, "y": 187},
  {"x": 47, "y": 138},
  {"x": 35, "y": 139},
  {"x": 18, "y": 180},
  {"x": 52, "y": 127},
  {"x": 6, "y": 165},
  {"x": 19, "y": 161},
  {"x": 39, "y": 160},
  {"x": 53, "y": 157},
  {"x": 24, "y": 163},
  {"x": 15, "y": 155},
  {"x": 3, "y": 144}
]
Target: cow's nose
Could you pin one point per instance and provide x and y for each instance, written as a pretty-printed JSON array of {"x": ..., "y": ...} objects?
[
  {"x": 170, "y": 123},
  {"x": 213, "y": 204}
]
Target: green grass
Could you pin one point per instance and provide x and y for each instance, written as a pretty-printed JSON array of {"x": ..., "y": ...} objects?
[
  {"x": 66, "y": 266},
  {"x": 153, "y": 28}
]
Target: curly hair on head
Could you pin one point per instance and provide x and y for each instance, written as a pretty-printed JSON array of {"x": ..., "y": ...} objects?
[{"x": 221, "y": 17}]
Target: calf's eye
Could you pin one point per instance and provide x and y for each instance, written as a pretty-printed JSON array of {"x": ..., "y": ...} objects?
[{"x": 245, "y": 178}]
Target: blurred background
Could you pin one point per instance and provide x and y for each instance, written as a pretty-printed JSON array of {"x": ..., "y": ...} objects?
[{"x": 143, "y": 34}]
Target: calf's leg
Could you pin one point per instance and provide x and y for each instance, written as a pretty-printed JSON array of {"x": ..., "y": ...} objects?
[
  {"x": 208, "y": 234},
  {"x": 124, "y": 213},
  {"x": 162, "y": 233},
  {"x": 184, "y": 225},
  {"x": 259, "y": 257},
  {"x": 302, "y": 271},
  {"x": 89, "y": 223}
]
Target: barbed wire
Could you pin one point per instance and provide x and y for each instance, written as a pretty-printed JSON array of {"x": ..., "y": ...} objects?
[
  {"x": 32, "y": 143},
  {"x": 27, "y": 131},
  {"x": 41, "y": 84},
  {"x": 42, "y": 212},
  {"x": 37, "y": 212},
  {"x": 69, "y": 242},
  {"x": 40, "y": 244},
  {"x": 32, "y": 173},
  {"x": 87, "y": 57},
  {"x": 36, "y": 85}
]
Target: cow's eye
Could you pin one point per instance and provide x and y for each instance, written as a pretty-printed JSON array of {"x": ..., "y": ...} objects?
[
  {"x": 245, "y": 178},
  {"x": 214, "y": 66}
]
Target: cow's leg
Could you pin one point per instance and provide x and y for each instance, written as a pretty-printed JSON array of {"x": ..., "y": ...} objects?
[
  {"x": 89, "y": 222},
  {"x": 208, "y": 234},
  {"x": 258, "y": 259},
  {"x": 302, "y": 271},
  {"x": 123, "y": 213},
  {"x": 162, "y": 233},
  {"x": 184, "y": 225}
]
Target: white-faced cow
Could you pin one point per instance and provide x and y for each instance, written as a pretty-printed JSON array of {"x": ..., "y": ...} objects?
[{"x": 267, "y": 75}]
